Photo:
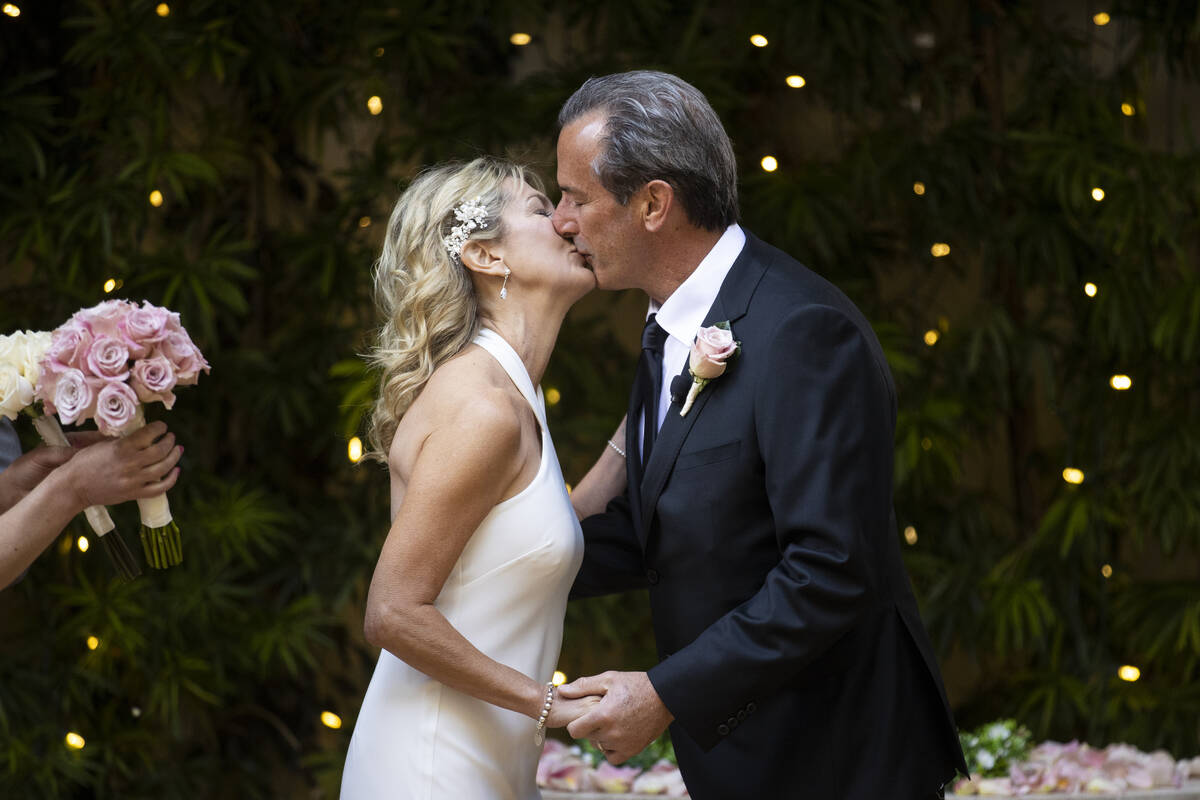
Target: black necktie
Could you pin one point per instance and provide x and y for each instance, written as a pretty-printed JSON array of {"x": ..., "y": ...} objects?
[{"x": 650, "y": 365}]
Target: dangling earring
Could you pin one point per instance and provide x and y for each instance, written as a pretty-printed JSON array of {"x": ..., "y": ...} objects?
[{"x": 504, "y": 286}]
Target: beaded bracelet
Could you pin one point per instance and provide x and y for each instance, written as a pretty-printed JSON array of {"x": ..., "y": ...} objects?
[
  {"x": 539, "y": 735},
  {"x": 613, "y": 445}
]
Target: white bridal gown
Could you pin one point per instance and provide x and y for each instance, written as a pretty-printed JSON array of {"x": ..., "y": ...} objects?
[{"x": 416, "y": 739}]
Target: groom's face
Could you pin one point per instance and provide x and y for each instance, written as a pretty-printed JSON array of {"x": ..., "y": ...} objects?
[{"x": 605, "y": 232}]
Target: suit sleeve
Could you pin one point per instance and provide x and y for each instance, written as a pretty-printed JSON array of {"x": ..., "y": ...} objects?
[
  {"x": 824, "y": 418},
  {"x": 612, "y": 555}
]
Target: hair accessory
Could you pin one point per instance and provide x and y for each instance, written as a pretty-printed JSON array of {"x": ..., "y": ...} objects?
[
  {"x": 471, "y": 214},
  {"x": 504, "y": 286}
]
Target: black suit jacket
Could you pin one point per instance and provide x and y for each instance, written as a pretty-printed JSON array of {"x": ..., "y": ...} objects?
[{"x": 792, "y": 654}]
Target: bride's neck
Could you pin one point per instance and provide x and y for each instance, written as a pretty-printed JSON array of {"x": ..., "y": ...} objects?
[{"x": 531, "y": 332}]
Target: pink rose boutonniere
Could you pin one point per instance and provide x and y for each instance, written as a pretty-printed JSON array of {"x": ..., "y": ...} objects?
[{"x": 711, "y": 352}]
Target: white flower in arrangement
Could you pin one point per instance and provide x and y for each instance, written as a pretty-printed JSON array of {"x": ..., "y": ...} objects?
[
  {"x": 20, "y": 354},
  {"x": 15, "y": 391},
  {"x": 985, "y": 759},
  {"x": 998, "y": 730}
]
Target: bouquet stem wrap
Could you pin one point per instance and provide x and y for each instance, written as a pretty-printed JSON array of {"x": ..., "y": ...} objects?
[
  {"x": 97, "y": 516},
  {"x": 159, "y": 533}
]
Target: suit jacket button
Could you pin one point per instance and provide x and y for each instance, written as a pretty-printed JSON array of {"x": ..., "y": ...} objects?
[
  {"x": 652, "y": 576},
  {"x": 751, "y": 708},
  {"x": 732, "y": 722},
  {"x": 723, "y": 730},
  {"x": 741, "y": 715}
]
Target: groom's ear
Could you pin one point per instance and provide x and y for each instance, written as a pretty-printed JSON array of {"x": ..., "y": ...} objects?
[
  {"x": 655, "y": 201},
  {"x": 482, "y": 256}
]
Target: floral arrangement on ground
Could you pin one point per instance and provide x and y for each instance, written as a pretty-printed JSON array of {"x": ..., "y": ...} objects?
[{"x": 580, "y": 767}]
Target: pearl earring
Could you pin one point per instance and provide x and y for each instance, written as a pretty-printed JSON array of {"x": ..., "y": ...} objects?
[{"x": 504, "y": 286}]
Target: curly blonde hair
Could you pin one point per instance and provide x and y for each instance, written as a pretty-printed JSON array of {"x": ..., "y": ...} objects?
[{"x": 428, "y": 302}]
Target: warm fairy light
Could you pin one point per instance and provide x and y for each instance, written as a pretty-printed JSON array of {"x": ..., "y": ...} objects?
[
  {"x": 82, "y": 544},
  {"x": 135, "y": 711},
  {"x": 1127, "y": 109},
  {"x": 375, "y": 105},
  {"x": 1120, "y": 382},
  {"x": 520, "y": 39},
  {"x": 910, "y": 535},
  {"x": 1090, "y": 289},
  {"x": 918, "y": 188},
  {"x": 331, "y": 720},
  {"x": 553, "y": 396},
  {"x": 156, "y": 198},
  {"x": 1102, "y": 19},
  {"x": 1073, "y": 475},
  {"x": 93, "y": 642},
  {"x": 1097, "y": 194},
  {"x": 1106, "y": 570},
  {"x": 927, "y": 443},
  {"x": 769, "y": 163},
  {"x": 1129, "y": 673},
  {"x": 75, "y": 741},
  {"x": 559, "y": 678},
  {"x": 940, "y": 249},
  {"x": 931, "y": 337},
  {"x": 354, "y": 449},
  {"x": 163, "y": 9},
  {"x": 364, "y": 222},
  {"x": 109, "y": 285},
  {"x": 378, "y": 52},
  {"x": 796, "y": 81},
  {"x": 12, "y": 10}
]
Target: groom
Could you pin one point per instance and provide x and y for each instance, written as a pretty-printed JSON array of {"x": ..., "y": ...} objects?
[{"x": 793, "y": 660}]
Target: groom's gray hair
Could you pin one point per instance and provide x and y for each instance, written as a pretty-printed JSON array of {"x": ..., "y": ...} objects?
[{"x": 660, "y": 127}]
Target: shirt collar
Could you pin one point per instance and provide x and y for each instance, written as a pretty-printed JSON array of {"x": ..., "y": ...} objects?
[{"x": 683, "y": 312}]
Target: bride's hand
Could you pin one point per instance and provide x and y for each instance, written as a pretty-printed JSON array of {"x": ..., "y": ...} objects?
[{"x": 567, "y": 710}]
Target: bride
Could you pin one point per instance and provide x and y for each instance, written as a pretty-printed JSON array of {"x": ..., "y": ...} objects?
[{"x": 469, "y": 592}]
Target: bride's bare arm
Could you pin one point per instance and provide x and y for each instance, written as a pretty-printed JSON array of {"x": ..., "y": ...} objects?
[
  {"x": 604, "y": 481},
  {"x": 464, "y": 468}
]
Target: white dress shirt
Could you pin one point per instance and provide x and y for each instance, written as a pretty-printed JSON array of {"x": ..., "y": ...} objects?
[{"x": 683, "y": 312}]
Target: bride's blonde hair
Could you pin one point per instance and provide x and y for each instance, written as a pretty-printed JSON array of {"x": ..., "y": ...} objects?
[{"x": 425, "y": 294}]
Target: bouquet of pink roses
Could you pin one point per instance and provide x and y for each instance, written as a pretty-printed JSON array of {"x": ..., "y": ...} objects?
[{"x": 105, "y": 363}]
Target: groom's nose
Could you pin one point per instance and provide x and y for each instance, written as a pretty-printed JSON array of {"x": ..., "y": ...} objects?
[{"x": 564, "y": 222}]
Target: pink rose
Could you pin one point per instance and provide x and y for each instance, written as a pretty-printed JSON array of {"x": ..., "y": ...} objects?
[
  {"x": 74, "y": 398},
  {"x": 108, "y": 358},
  {"x": 116, "y": 407},
  {"x": 69, "y": 346},
  {"x": 144, "y": 327},
  {"x": 153, "y": 379},
  {"x": 184, "y": 355},
  {"x": 104, "y": 319},
  {"x": 710, "y": 351}
]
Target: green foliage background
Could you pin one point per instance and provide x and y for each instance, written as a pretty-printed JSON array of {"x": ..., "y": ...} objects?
[{"x": 250, "y": 117}]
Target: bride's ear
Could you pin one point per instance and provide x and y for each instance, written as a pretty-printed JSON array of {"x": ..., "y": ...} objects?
[{"x": 482, "y": 257}]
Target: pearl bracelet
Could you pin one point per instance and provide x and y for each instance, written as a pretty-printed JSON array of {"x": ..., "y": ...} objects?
[
  {"x": 613, "y": 445},
  {"x": 539, "y": 735}
]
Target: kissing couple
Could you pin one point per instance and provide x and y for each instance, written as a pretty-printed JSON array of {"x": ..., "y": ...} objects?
[{"x": 749, "y": 488}]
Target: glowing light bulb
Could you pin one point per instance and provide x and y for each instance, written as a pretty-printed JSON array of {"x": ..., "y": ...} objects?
[
  {"x": 1073, "y": 475},
  {"x": 758, "y": 40},
  {"x": 379, "y": 51},
  {"x": 940, "y": 249},
  {"x": 520, "y": 39},
  {"x": 1129, "y": 673},
  {"x": 1090, "y": 289},
  {"x": 931, "y": 337},
  {"x": 1127, "y": 109},
  {"x": 927, "y": 443},
  {"x": 163, "y": 9},
  {"x": 769, "y": 164},
  {"x": 331, "y": 720},
  {"x": 354, "y": 449},
  {"x": 109, "y": 285},
  {"x": 1106, "y": 570},
  {"x": 1120, "y": 382},
  {"x": 156, "y": 198},
  {"x": 75, "y": 741},
  {"x": 796, "y": 81},
  {"x": 918, "y": 188},
  {"x": 1102, "y": 19},
  {"x": 11, "y": 10},
  {"x": 92, "y": 642},
  {"x": 82, "y": 543},
  {"x": 553, "y": 396},
  {"x": 374, "y": 105},
  {"x": 364, "y": 222},
  {"x": 559, "y": 678},
  {"x": 1097, "y": 194},
  {"x": 910, "y": 535},
  {"x": 135, "y": 711}
]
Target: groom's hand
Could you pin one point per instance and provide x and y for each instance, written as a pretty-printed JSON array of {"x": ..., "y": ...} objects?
[{"x": 628, "y": 717}]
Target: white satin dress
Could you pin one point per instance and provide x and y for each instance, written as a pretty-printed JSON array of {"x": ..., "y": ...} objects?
[{"x": 416, "y": 739}]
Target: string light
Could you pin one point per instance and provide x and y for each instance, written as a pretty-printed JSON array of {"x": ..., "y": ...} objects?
[
  {"x": 1129, "y": 673},
  {"x": 163, "y": 9},
  {"x": 364, "y": 222},
  {"x": 1106, "y": 570},
  {"x": 354, "y": 449},
  {"x": 1073, "y": 475},
  {"x": 11, "y": 10},
  {"x": 92, "y": 643},
  {"x": 769, "y": 164},
  {"x": 910, "y": 535},
  {"x": 135, "y": 711},
  {"x": 75, "y": 741},
  {"x": 918, "y": 188},
  {"x": 156, "y": 198},
  {"x": 1090, "y": 289},
  {"x": 796, "y": 81},
  {"x": 520, "y": 39},
  {"x": 379, "y": 52},
  {"x": 559, "y": 678},
  {"x": 1102, "y": 19},
  {"x": 82, "y": 544},
  {"x": 927, "y": 443},
  {"x": 931, "y": 337},
  {"x": 569, "y": 488},
  {"x": 1127, "y": 109},
  {"x": 374, "y": 105},
  {"x": 1120, "y": 382},
  {"x": 553, "y": 396},
  {"x": 940, "y": 249},
  {"x": 1097, "y": 194},
  {"x": 109, "y": 285},
  {"x": 65, "y": 544},
  {"x": 331, "y": 720},
  {"x": 758, "y": 40}
]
